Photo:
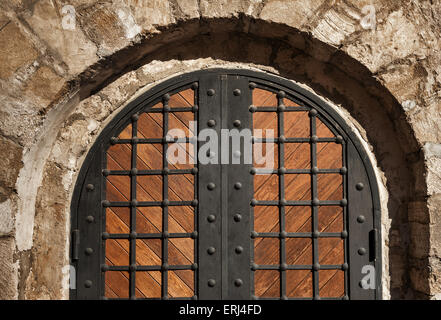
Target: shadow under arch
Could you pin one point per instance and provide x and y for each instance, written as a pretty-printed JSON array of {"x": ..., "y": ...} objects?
[{"x": 331, "y": 73}]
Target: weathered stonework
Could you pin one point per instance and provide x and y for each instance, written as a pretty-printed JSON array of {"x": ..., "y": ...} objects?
[{"x": 60, "y": 87}]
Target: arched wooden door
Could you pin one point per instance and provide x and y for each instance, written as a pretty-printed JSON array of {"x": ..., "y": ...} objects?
[{"x": 212, "y": 225}]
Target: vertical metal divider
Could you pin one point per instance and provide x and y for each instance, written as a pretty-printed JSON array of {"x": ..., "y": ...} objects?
[
  {"x": 102, "y": 252},
  {"x": 195, "y": 88},
  {"x": 345, "y": 222},
  {"x": 282, "y": 200},
  {"x": 164, "y": 274},
  {"x": 314, "y": 203},
  {"x": 132, "y": 269},
  {"x": 252, "y": 86},
  {"x": 224, "y": 189}
]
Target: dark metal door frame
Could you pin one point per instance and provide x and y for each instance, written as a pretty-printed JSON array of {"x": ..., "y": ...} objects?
[{"x": 219, "y": 225}]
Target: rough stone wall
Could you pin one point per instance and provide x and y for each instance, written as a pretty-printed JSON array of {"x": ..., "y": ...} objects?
[{"x": 60, "y": 84}]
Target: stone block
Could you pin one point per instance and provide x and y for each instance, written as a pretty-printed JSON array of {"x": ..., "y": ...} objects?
[{"x": 16, "y": 50}]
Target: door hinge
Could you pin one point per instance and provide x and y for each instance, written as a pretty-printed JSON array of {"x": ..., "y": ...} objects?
[
  {"x": 75, "y": 244},
  {"x": 373, "y": 244}
]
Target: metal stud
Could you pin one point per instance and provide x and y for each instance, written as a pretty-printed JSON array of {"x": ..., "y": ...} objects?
[
  {"x": 88, "y": 283},
  {"x": 238, "y": 186},
  {"x": 316, "y": 266},
  {"x": 253, "y": 171},
  {"x": 194, "y": 235},
  {"x": 254, "y": 266},
  {"x": 113, "y": 140},
  {"x": 283, "y": 266},
  {"x": 90, "y": 219},
  {"x": 105, "y": 203},
  {"x": 134, "y": 172},
  {"x": 238, "y": 249},
  {"x": 314, "y": 139},
  {"x": 343, "y": 202},
  {"x": 106, "y": 172},
  {"x": 283, "y": 234},
  {"x": 133, "y": 235},
  {"x": 283, "y": 202},
  {"x": 237, "y": 217},
  {"x": 316, "y": 234},
  {"x": 211, "y": 186},
  {"x": 105, "y": 235},
  {"x": 104, "y": 267},
  {"x": 281, "y": 94},
  {"x": 253, "y": 202},
  {"x": 211, "y": 123},
  {"x": 281, "y": 171},
  {"x": 254, "y": 234},
  {"x": 194, "y": 170},
  {"x": 133, "y": 267},
  {"x": 211, "y": 250},
  {"x": 281, "y": 108},
  {"x": 195, "y": 85},
  {"x": 88, "y": 251},
  {"x": 361, "y": 219},
  {"x": 194, "y": 203},
  {"x": 211, "y": 283},
  {"x": 315, "y": 202},
  {"x": 238, "y": 282},
  {"x": 236, "y": 92},
  {"x": 164, "y": 266},
  {"x": 252, "y": 85},
  {"x": 361, "y": 251},
  {"x": 135, "y": 117},
  {"x": 282, "y": 139},
  {"x": 339, "y": 139},
  {"x": 211, "y": 92},
  {"x": 237, "y": 123},
  {"x": 344, "y": 266},
  {"x": 236, "y": 154},
  {"x": 344, "y": 234},
  {"x": 133, "y": 203},
  {"x": 211, "y": 218},
  {"x": 343, "y": 170},
  {"x": 252, "y": 109},
  {"x": 90, "y": 187},
  {"x": 314, "y": 170},
  {"x": 359, "y": 186}
]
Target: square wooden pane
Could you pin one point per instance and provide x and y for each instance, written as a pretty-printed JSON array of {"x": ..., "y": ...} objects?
[
  {"x": 148, "y": 284},
  {"x": 148, "y": 252},
  {"x": 330, "y": 219},
  {"x": 149, "y": 188},
  {"x": 331, "y": 251},
  {"x": 181, "y": 155},
  {"x": 118, "y": 220},
  {"x": 126, "y": 133},
  {"x": 267, "y": 251},
  {"x": 266, "y": 219},
  {"x": 181, "y": 124},
  {"x": 296, "y": 125},
  {"x": 182, "y": 99},
  {"x": 329, "y": 155},
  {"x": 181, "y": 283},
  {"x": 266, "y": 155},
  {"x": 332, "y": 283},
  {"x": 297, "y": 187},
  {"x": 298, "y": 251},
  {"x": 149, "y": 220},
  {"x": 149, "y": 156},
  {"x": 116, "y": 284},
  {"x": 181, "y": 219},
  {"x": 264, "y": 98},
  {"x": 150, "y": 126},
  {"x": 322, "y": 130},
  {"x": 298, "y": 219},
  {"x": 299, "y": 284},
  {"x": 290, "y": 103},
  {"x": 118, "y": 188},
  {"x": 181, "y": 187},
  {"x": 267, "y": 283},
  {"x": 297, "y": 156},
  {"x": 119, "y": 157},
  {"x": 330, "y": 186},
  {"x": 180, "y": 251},
  {"x": 266, "y": 187},
  {"x": 265, "y": 125},
  {"x": 117, "y": 252}
]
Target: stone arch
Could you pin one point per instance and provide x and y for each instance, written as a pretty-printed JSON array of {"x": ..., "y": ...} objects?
[{"x": 98, "y": 92}]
